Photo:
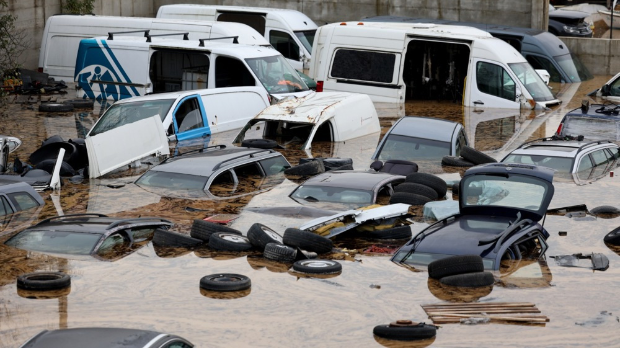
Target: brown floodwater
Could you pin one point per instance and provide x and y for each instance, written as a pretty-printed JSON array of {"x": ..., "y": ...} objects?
[{"x": 158, "y": 289}]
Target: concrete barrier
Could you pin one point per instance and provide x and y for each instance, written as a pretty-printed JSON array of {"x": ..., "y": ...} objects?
[{"x": 600, "y": 56}]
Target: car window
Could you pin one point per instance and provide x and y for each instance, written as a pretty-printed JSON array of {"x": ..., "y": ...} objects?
[
  {"x": 188, "y": 115},
  {"x": 312, "y": 193},
  {"x": 284, "y": 44},
  {"x": 599, "y": 157},
  {"x": 276, "y": 74},
  {"x": 121, "y": 114},
  {"x": 62, "y": 242},
  {"x": 410, "y": 148},
  {"x": 614, "y": 89},
  {"x": 364, "y": 65},
  {"x": 23, "y": 200},
  {"x": 538, "y": 62},
  {"x": 585, "y": 164},
  {"x": 614, "y": 152},
  {"x": 307, "y": 38},
  {"x": 174, "y": 70},
  {"x": 513, "y": 191},
  {"x": 176, "y": 345},
  {"x": 560, "y": 164},
  {"x": 230, "y": 72},
  {"x": 254, "y": 20},
  {"x": 112, "y": 246},
  {"x": 494, "y": 80},
  {"x": 274, "y": 165},
  {"x": 174, "y": 181},
  {"x": 5, "y": 207},
  {"x": 242, "y": 179}
]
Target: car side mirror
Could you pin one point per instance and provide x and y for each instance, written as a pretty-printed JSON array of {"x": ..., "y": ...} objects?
[{"x": 605, "y": 90}]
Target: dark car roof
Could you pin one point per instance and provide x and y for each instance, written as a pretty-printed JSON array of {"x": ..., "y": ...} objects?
[
  {"x": 605, "y": 111},
  {"x": 92, "y": 338},
  {"x": 360, "y": 180},
  {"x": 424, "y": 127},
  {"x": 91, "y": 223}
]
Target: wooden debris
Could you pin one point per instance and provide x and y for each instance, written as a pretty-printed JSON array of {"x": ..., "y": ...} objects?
[{"x": 496, "y": 312}]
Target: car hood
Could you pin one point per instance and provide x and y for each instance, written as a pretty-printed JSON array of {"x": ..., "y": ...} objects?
[{"x": 567, "y": 14}]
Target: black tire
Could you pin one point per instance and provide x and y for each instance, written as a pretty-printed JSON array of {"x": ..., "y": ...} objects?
[
  {"x": 203, "y": 230},
  {"x": 317, "y": 266},
  {"x": 331, "y": 163},
  {"x": 455, "y": 188},
  {"x": 52, "y": 139},
  {"x": 55, "y": 107},
  {"x": 42, "y": 281},
  {"x": 405, "y": 333},
  {"x": 50, "y": 151},
  {"x": 81, "y": 103},
  {"x": 344, "y": 167},
  {"x": 279, "y": 252},
  {"x": 306, "y": 169},
  {"x": 400, "y": 232},
  {"x": 261, "y": 235},
  {"x": 307, "y": 241},
  {"x": 469, "y": 280},
  {"x": 476, "y": 157},
  {"x": 225, "y": 282},
  {"x": 225, "y": 241},
  {"x": 455, "y": 162},
  {"x": 613, "y": 237},
  {"x": 408, "y": 198},
  {"x": 457, "y": 294},
  {"x": 259, "y": 143},
  {"x": 457, "y": 264},
  {"x": 605, "y": 211},
  {"x": 167, "y": 238},
  {"x": 48, "y": 165},
  {"x": 430, "y": 180},
  {"x": 417, "y": 189}
]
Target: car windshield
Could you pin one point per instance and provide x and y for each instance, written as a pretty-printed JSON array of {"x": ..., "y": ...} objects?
[
  {"x": 506, "y": 190},
  {"x": 276, "y": 74},
  {"x": 532, "y": 81},
  {"x": 55, "y": 242},
  {"x": 561, "y": 164},
  {"x": 574, "y": 68},
  {"x": 307, "y": 38},
  {"x": 311, "y": 193},
  {"x": 423, "y": 259},
  {"x": 121, "y": 114},
  {"x": 173, "y": 181},
  {"x": 410, "y": 149}
]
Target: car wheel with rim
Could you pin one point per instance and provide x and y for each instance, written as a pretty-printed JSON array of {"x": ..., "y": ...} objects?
[
  {"x": 307, "y": 240},
  {"x": 225, "y": 282},
  {"x": 203, "y": 230},
  {"x": 280, "y": 252},
  {"x": 226, "y": 241},
  {"x": 261, "y": 235},
  {"x": 317, "y": 266}
]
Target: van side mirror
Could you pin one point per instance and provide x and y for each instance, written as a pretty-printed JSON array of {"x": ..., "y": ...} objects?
[
  {"x": 518, "y": 93},
  {"x": 605, "y": 90}
]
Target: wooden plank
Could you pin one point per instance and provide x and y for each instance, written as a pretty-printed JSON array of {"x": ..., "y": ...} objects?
[
  {"x": 481, "y": 304},
  {"x": 539, "y": 319},
  {"x": 495, "y": 311}
]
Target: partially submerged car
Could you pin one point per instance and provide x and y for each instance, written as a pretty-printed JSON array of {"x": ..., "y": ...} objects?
[
  {"x": 500, "y": 206},
  {"x": 88, "y": 235},
  {"x": 610, "y": 90},
  {"x": 7, "y": 145},
  {"x": 328, "y": 116},
  {"x": 215, "y": 172},
  {"x": 355, "y": 188},
  {"x": 591, "y": 122},
  {"x": 414, "y": 138},
  {"x": 569, "y": 23},
  {"x": 18, "y": 196}
]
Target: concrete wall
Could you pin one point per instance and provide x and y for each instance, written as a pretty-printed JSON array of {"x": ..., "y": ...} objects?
[{"x": 601, "y": 56}]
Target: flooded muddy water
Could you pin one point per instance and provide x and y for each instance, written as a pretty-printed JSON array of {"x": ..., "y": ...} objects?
[{"x": 159, "y": 289}]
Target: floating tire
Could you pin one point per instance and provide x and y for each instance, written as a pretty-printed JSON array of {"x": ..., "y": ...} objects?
[
  {"x": 417, "y": 189},
  {"x": 225, "y": 282},
  {"x": 49, "y": 164},
  {"x": 408, "y": 198},
  {"x": 50, "y": 151},
  {"x": 226, "y": 241},
  {"x": 42, "y": 281},
  {"x": 81, "y": 103},
  {"x": 203, "y": 230},
  {"x": 430, "y": 180},
  {"x": 605, "y": 212},
  {"x": 261, "y": 235},
  {"x": 476, "y": 157},
  {"x": 306, "y": 169},
  {"x": 469, "y": 280},
  {"x": 456, "y": 162},
  {"x": 331, "y": 163},
  {"x": 259, "y": 143},
  {"x": 167, "y": 238},
  {"x": 52, "y": 139},
  {"x": 613, "y": 237},
  {"x": 399, "y": 232},
  {"x": 279, "y": 252},
  {"x": 405, "y": 330},
  {"x": 317, "y": 266},
  {"x": 55, "y": 107},
  {"x": 453, "y": 265},
  {"x": 307, "y": 241}
]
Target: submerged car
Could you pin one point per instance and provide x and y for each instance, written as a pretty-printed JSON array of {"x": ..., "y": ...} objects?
[
  {"x": 592, "y": 122},
  {"x": 569, "y": 23},
  {"x": 414, "y": 138},
  {"x": 88, "y": 235},
  {"x": 347, "y": 187},
  {"x": 18, "y": 196},
  {"x": 610, "y": 90},
  {"x": 500, "y": 206}
]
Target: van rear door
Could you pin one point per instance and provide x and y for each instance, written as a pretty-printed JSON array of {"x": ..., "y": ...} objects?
[{"x": 491, "y": 85}]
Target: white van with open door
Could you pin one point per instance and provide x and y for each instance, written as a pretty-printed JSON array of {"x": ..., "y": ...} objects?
[
  {"x": 398, "y": 62},
  {"x": 288, "y": 31},
  {"x": 62, "y": 35}
]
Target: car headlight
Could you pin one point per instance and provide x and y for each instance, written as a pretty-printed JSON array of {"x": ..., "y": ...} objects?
[{"x": 569, "y": 29}]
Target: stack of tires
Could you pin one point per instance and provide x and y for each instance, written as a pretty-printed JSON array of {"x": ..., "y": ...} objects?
[
  {"x": 461, "y": 271},
  {"x": 75, "y": 157},
  {"x": 419, "y": 189},
  {"x": 469, "y": 158}
]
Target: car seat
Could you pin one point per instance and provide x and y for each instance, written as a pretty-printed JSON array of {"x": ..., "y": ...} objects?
[{"x": 398, "y": 167}]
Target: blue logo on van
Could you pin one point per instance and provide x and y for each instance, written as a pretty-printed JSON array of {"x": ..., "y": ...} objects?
[{"x": 100, "y": 74}]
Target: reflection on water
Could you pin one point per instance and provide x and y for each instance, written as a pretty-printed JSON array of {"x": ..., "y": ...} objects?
[{"x": 158, "y": 288}]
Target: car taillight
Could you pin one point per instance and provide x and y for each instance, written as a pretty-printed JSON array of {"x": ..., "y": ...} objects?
[
  {"x": 40, "y": 69},
  {"x": 319, "y": 86},
  {"x": 559, "y": 129}
]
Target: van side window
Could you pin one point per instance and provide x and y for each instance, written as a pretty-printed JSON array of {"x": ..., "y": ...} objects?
[
  {"x": 5, "y": 207},
  {"x": 256, "y": 21},
  {"x": 363, "y": 65},
  {"x": 22, "y": 200},
  {"x": 538, "y": 62},
  {"x": 284, "y": 44},
  {"x": 494, "y": 80},
  {"x": 171, "y": 69},
  {"x": 230, "y": 72},
  {"x": 188, "y": 115}
]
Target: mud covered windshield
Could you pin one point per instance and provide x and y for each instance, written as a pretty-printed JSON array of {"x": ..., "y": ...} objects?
[
  {"x": 574, "y": 68},
  {"x": 121, "y": 114},
  {"x": 56, "y": 242},
  {"x": 307, "y": 38},
  {"x": 276, "y": 75},
  {"x": 410, "y": 148},
  {"x": 532, "y": 82},
  {"x": 512, "y": 191}
]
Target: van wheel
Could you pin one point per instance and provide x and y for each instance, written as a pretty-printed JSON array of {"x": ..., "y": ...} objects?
[
  {"x": 173, "y": 239},
  {"x": 55, "y": 107},
  {"x": 418, "y": 189},
  {"x": 225, "y": 241},
  {"x": 455, "y": 162},
  {"x": 306, "y": 169},
  {"x": 81, "y": 103},
  {"x": 203, "y": 230},
  {"x": 452, "y": 265},
  {"x": 317, "y": 266},
  {"x": 405, "y": 330},
  {"x": 408, "y": 198},
  {"x": 469, "y": 280},
  {"x": 261, "y": 235},
  {"x": 307, "y": 240},
  {"x": 259, "y": 143},
  {"x": 279, "y": 252},
  {"x": 225, "y": 282},
  {"x": 430, "y": 180},
  {"x": 400, "y": 232},
  {"x": 476, "y": 157},
  {"x": 43, "y": 281}
]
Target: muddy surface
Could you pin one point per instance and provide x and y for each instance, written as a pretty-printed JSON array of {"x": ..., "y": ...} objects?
[{"x": 154, "y": 288}]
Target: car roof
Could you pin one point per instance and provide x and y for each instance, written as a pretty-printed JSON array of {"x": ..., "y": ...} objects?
[
  {"x": 591, "y": 111},
  {"x": 181, "y": 94},
  {"x": 559, "y": 148},
  {"x": 361, "y": 180},
  {"x": 92, "y": 338},
  {"x": 91, "y": 223},
  {"x": 424, "y": 127}
]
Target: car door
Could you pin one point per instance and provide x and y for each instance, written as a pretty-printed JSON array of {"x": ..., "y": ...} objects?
[
  {"x": 611, "y": 90},
  {"x": 190, "y": 120},
  {"x": 491, "y": 85}
]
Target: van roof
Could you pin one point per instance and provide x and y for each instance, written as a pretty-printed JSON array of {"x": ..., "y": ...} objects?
[
  {"x": 422, "y": 28},
  {"x": 181, "y": 94}
]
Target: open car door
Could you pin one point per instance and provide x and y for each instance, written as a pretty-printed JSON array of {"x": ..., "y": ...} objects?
[{"x": 121, "y": 146}]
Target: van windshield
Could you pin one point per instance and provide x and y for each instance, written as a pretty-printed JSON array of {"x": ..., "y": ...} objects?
[
  {"x": 307, "y": 38},
  {"x": 121, "y": 114},
  {"x": 574, "y": 68},
  {"x": 532, "y": 81},
  {"x": 276, "y": 74}
]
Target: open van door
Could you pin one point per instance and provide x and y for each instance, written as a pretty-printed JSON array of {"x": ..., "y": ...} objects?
[
  {"x": 121, "y": 146},
  {"x": 492, "y": 86}
]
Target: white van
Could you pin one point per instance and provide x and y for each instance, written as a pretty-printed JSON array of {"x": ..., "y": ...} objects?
[
  {"x": 121, "y": 67},
  {"x": 288, "y": 31},
  {"x": 63, "y": 33},
  {"x": 398, "y": 62}
]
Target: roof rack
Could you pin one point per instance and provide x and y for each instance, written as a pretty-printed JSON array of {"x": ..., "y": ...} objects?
[
  {"x": 185, "y": 36},
  {"x": 592, "y": 143},
  {"x": 250, "y": 155},
  {"x": 194, "y": 151},
  {"x": 202, "y": 41},
  {"x": 70, "y": 216},
  {"x": 138, "y": 219},
  {"x": 111, "y": 33}
]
